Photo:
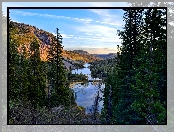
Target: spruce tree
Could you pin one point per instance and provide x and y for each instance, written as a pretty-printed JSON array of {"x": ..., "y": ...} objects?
[
  {"x": 130, "y": 36},
  {"x": 37, "y": 85},
  {"x": 13, "y": 64},
  {"x": 150, "y": 75},
  {"x": 58, "y": 86},
  {"x": 123, "y": 94}
]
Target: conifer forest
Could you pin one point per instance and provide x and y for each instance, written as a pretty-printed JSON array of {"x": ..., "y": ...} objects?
[{"x": 132, "y": 85}]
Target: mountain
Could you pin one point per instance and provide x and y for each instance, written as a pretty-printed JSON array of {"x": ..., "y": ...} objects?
[
  {"x": 26, "y": 33},
  {"x": 81, "y": 52},
  {"x": 74, "y": 58},
  {"x": 105, "y": 56}
]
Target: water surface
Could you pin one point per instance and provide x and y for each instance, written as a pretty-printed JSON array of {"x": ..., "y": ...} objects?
[{"x": 86, "y": 92}]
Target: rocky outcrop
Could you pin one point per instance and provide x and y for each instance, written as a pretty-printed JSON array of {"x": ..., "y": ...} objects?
[
  {"x": 81, "y": 52},
  {"x": 27, "y": 33},
  {"x": 69, "y": 65}
]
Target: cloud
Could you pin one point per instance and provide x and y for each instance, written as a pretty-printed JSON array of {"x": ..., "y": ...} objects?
[
  {"x": 65, "y": 36},
  {"x": 93, "y": 50},
  {"x": 70, "y": 41},
  {"x": 107, "y": 17},
  {"x": 88, "y": 20},
  {"x": 76, "y": 18},
  {"x": 82, "y": 19},
  {"x": 91, "y": 34},
  {"x": 104, "y": 22},
  {"x": 100, "y": 12},
  {"x": 100, "y": 32},
  {"x": 85, "y": 20},
  {"x": 98, "y": 35},
  {"x": 40, "y": 15}
]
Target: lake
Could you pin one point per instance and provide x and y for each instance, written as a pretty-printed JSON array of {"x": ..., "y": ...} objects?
[{"x": 86, "y": 92}]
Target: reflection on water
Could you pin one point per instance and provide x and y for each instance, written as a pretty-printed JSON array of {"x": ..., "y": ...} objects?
[
  {"x": 85, "y": 93},
  {"x": 85, "y": 71}
]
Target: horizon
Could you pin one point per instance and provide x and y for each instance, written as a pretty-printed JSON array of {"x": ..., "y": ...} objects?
[
  {"x": 95, "y": 53},
  {"x": 91, "y": 30}
]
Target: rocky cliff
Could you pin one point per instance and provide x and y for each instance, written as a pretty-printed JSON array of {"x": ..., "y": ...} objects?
[{"x": 27, "y": 33}]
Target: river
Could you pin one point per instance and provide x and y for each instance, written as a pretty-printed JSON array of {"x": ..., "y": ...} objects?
[{"x": 87, "y": 92}]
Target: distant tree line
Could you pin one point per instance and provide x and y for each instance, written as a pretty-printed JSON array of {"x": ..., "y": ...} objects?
[
  {"x": 136, "y": 81},
  {"x": 101, "y": 68}
]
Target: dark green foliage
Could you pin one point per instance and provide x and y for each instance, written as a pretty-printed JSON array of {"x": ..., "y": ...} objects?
[
  {"x": 59, "y": 92},
  {"x": 30, "y": 78},
  {"x": 27, "y": 80},
  {"x": 122, "y": 110},
  {"x": 101, "y": 68},
  {"x": 37, "y": 75},
  {"x": 138, "y": 82},
  {"x": 152, "y": 60},
  {"x": 77, "y": 77},
  {"x": 79, "y": 65},
  {"x": 13, "y": 64}
]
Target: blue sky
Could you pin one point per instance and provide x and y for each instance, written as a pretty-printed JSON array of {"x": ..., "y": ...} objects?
[{"x": 93, "y": 30}]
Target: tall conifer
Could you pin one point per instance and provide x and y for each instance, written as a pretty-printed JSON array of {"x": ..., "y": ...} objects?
[
  {"x": 150, "y": 76},
  {"x": 58, "y": 86}
]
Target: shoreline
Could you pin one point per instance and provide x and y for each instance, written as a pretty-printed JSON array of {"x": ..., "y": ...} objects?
[{"x": 72, "y": 84}]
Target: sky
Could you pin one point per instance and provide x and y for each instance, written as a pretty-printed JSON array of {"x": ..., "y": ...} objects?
[{"x": 92, "y": 30}]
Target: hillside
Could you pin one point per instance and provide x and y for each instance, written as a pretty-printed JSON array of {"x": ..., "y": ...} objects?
[
  {"x": 25, "y": 34},
  {"x": 81, "y": 52},
  {"x": 73, "y": 55},
  {"x": 105, "y": 56}
]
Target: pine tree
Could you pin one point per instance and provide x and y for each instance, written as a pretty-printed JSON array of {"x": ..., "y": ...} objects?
[
  {"x": 130, "y": 48},
  {"x": 123, "y": 94},
  {"x": 59, "y": 91},
  {"x": 23, "y": 79},
  {"x": 13, "y": 55},
  {"x": 37, "y": 85},
  {"x": 150, "y": 75},
  {"x": 111, "y": 94}
]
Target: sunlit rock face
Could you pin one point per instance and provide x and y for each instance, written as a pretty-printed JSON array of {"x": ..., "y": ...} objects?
[{"x": 27, "y": 33}]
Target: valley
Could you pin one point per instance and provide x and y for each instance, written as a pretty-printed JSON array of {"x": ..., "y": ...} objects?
[{"x": 80, "y": 79}]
